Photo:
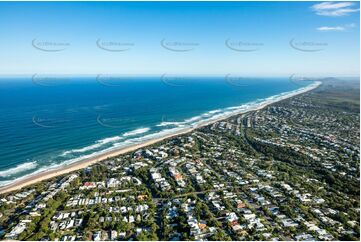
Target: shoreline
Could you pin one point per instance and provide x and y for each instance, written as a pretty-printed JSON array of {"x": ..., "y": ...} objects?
[{"x": 41, "y": 176}]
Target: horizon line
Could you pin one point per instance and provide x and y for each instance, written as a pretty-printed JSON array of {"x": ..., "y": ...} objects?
[{"x": 176, "y": 74}]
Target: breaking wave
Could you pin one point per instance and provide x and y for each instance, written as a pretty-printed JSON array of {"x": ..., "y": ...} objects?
[
  {"x": 136, "y": 132},
  {"x": 18, "y": 169}
]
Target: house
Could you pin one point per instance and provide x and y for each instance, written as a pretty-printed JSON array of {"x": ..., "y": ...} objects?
[
  {"x": 18, "y": 229},
  {"x": 142, "y": 197},
  {"x": 97, "y": 236},
  {"x": 113, "y": 235}
]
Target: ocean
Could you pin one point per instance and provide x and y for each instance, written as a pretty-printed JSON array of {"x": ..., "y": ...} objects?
[{"x": 47, "y": 122}]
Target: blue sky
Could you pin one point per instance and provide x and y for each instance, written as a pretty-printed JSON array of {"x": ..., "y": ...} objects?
[{"x": 199, "y": 38}]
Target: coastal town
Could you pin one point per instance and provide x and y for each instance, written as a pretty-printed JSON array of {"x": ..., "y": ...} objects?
[{"x": 289, "y": 171}]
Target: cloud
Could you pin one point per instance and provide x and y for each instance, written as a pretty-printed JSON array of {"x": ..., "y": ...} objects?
[
  {"x": 334, "y": 9},
  {"x": 331, "y": 5},
  {"x": 336, "y": 28},
  {"x": 352, "y": 25},
  {"x": 326, "y": 28}
]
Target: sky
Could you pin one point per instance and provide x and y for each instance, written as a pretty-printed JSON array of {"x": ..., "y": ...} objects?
[{"x": 189, "y": 38}]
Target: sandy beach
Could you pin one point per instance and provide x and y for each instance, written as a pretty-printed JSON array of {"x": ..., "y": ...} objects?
[{"x": 87, "y": 162}]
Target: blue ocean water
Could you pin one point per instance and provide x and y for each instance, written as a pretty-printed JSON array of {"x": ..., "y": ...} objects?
[{"x": 51, "y": 121}]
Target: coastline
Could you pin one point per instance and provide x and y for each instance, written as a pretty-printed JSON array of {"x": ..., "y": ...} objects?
[{"x": 41, "y": 176}]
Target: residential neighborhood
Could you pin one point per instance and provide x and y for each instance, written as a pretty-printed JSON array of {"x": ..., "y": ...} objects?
[{"x": 287, "y": 172}]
